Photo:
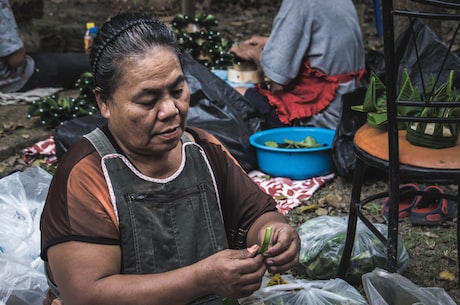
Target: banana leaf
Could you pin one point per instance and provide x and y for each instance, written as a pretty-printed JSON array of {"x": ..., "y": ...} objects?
[
  {"x": 375, "y": 101},
  {"x": 377, "y": 120},
  {"x": 408, "y": 93}
]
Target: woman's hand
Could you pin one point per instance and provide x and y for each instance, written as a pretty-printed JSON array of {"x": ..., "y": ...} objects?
[
  {"x": 247, "y": 52},
  {"x": 284, "y": 248},
  {"x": 17, "y": 58},
  {"x": 90, "y": 274},
  {"x": 234, "y": 273},
  {"x": 57, "y": 302},
  {"x": 257, "y": 40},
  {"x": 250, "y": 49}
]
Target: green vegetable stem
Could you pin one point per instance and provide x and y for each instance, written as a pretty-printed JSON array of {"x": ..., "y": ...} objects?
[{"x": 266, "y": 241}]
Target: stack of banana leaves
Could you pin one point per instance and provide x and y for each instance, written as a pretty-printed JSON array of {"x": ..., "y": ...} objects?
[
  {"x": 197, "y": 35},
  {"x": 54, "y": 110}
]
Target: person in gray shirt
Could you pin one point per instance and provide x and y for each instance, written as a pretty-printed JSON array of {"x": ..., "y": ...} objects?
[
  {"x": 313, "y": 56},
  {"x": 22, "y": 71},
  {"x": 16, "y": 67}
]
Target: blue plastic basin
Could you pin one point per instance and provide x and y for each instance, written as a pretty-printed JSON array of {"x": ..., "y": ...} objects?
[{"x": 294, "y": 163}]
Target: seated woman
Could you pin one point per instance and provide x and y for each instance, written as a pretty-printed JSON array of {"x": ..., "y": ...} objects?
[{"x": 145, "y": 210}]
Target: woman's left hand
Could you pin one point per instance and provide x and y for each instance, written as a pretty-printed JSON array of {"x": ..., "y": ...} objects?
[
  {"x": 17, "y": 58},
  {"x": 248, "y": 52},
  {"x": 283, "y": 251}
]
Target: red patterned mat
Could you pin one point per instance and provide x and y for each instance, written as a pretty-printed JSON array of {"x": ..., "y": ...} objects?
[
  {"x": 45, "y": 149},
  {"x": 289, "y": 193}
]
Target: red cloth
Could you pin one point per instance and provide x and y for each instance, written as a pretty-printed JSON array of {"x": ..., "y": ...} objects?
[
  {"x": 289, "y": 193},
  {"x": 45, "y": 149},
  {"x": 309, "y": 93}
]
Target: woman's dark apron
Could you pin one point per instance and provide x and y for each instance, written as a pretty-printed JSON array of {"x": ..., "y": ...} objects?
[{"x": 165, "y": 224}]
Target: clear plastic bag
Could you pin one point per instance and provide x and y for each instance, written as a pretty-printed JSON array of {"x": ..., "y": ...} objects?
[
  {"x": 21, "y": 284},
  {"x": 384, "y": 288},
  {"x": 22, "y": 276},
  {"x": 301, "y": 291},
  {"x": 323, "y": 239}
]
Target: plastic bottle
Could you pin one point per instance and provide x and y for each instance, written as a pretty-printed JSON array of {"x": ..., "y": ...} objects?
[{"x": 91, "y": 31}]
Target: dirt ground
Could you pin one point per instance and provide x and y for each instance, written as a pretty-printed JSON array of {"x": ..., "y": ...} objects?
[{"x": 432, "y": 250}]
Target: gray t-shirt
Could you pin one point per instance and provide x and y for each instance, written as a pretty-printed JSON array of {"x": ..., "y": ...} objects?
[
  {"x": 328, "y": 33},
  {"x": 11, "y": 79}
]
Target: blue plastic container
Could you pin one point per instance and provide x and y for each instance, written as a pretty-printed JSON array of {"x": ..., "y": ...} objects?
[{"x": 294, "y": 163}]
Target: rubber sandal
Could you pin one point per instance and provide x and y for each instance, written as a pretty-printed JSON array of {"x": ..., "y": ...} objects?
[
  {"x": 407, "y": 200},
  {"x": 432, "y": 211}
]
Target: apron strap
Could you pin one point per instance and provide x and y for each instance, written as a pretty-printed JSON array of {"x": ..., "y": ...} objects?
[{"x": 100, "y": 142}]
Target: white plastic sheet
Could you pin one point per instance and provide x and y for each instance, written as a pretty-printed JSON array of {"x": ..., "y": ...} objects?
[
  {"x": 22, "y": 276},
  {"x": 384, "y": 288},
  {"x": 302, "y": 291}
]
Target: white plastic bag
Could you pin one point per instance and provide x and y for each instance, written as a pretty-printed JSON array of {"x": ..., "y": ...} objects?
[
  {"x": 21, "y": 284},
  {"x": 384, "y": 288},
  {"x": 301, "y": 291},
  {"x": 22, "y": 276}
]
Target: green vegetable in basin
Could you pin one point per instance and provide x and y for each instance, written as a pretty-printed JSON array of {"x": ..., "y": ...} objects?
[{"x": 307, "y": 142}]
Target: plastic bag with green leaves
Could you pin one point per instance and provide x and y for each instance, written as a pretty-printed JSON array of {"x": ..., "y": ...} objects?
[{"x": 322, "y": 242}]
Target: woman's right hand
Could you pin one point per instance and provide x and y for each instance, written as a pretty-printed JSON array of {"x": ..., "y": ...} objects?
[
  {"x": 257, "y": 40},
  {"x": 17, "y": 58},
  {"x": 250, "y": 49},
  {"x": 234, "y": 273}
]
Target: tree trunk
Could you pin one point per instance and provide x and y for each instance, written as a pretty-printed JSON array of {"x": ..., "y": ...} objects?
[{"x": 188, "y": 7}]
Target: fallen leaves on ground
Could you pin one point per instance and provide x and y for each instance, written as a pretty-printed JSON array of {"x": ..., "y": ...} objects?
[{"x": 9, "y": 127}]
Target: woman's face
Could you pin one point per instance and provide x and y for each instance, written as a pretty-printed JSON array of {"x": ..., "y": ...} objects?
[{"x": 147, "y": 113}]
